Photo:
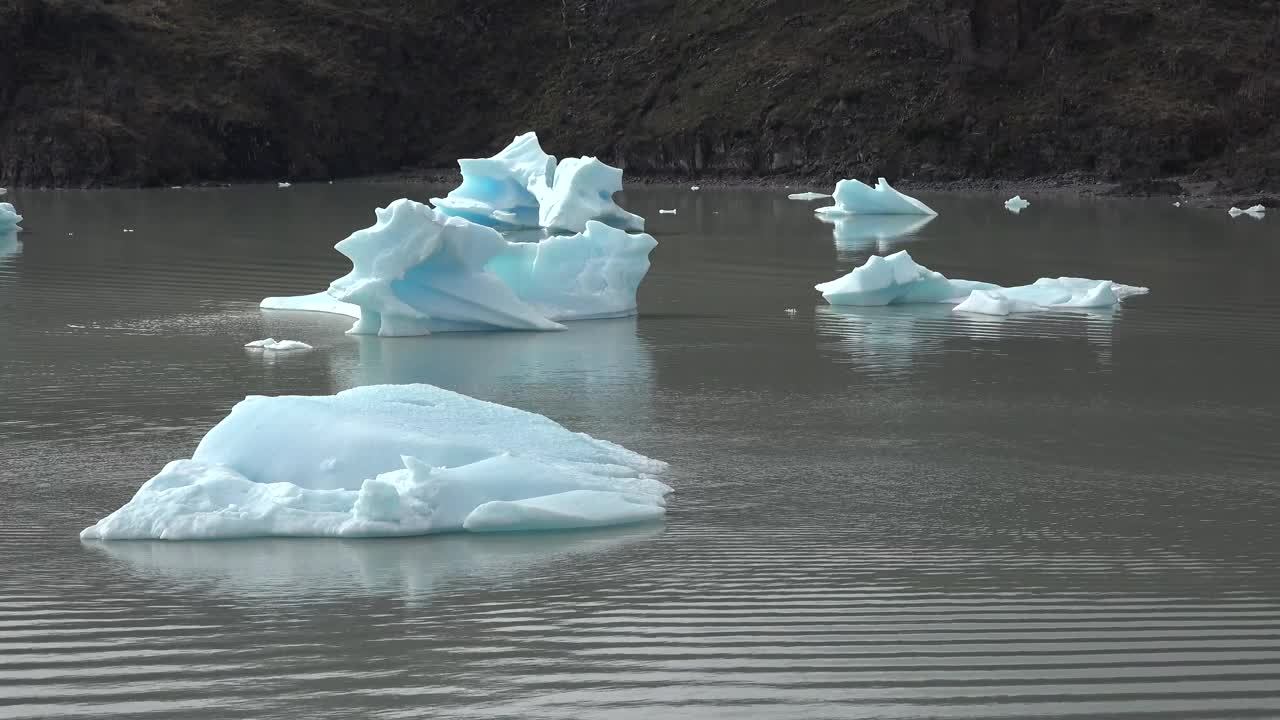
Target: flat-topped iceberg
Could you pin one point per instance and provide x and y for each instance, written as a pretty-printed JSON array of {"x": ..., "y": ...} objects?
[
  {"x": 524, "y": 187},
  {"x": 387, "y": 460},
  {"x": 417, "y": 271},
  {"x": 898, "y": 279},
  {"x": 856, "y": 198},
  {"x": 9, "y": 218}
]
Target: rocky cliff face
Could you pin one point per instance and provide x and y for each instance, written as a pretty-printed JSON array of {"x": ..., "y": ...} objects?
[{"x": 167, "y": 91}]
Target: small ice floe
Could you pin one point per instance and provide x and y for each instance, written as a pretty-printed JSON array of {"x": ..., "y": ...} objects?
[
  {"x": 667, "y": 212},
  {"x": 175, "y": 187},
  {"x": 1016, "y": 204},
  {"x": 273, "y": 344},
  {"x": 1257, "y": 211},
  {"x": 1177, "y": 203},
  {"x": 856, "y": 198},
  {"x": 695, "y": 188},
  {"x": 3, "y": 192},
  {"x": 284, "y": 185},
  {"x": 790, "y": 311},
  {"x": 807, "y": 196},
  {"x": 127, "y": 230},
  {"x": 70, "y": 234}
]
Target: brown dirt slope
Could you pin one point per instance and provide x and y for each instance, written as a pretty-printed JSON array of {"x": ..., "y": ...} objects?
[{"x": 170, "y": 91}]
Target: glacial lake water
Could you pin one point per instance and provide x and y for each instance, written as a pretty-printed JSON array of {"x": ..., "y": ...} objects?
[{"x": 880, "y": 512}]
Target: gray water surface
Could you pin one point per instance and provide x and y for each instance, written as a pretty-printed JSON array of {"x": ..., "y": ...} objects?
[{"x": 880, "y": 512}]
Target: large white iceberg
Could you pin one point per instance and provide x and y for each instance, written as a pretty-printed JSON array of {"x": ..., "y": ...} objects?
[
  {"x": 856, "y": 198},
  {"x": 387, "y": 460},
  {"x": 523, "y": 187},
  {"x": 898, "y": 279},
  {"x": 418, "y": 271},
  {"x": 9, "y": 218}
]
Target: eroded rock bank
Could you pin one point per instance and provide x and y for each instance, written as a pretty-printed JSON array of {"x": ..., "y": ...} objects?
[{"x": 166, "y": 92}]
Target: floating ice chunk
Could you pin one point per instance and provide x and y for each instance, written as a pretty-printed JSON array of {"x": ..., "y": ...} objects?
[
  {"x": 524, "y": 187},
  {"x": 387, "y": 460},
  {"x": 284, "y": 185},
  {"x": 273, "y": 344},
  {"x": 1016, "y": 204},
  {"x": 3, "y": 192},
  {"x": 853, "y": 197},
  {"x": 175, "y": 187},
  {"x": 1177, "y": 204},
  {"x": 9, "y": 218},
  {"x": 894, "y": 279},
  {"x": 898, "y": 279},
  {"x": 1256, "y": 211},
  {"x": 667, "y": 212},
  {"x": 418, "y": 271},
  {"x": 808, "y": 196},
  {"x": 695, "y": 188}
]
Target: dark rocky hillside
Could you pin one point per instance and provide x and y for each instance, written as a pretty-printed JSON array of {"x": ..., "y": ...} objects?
[{"x": 170, "y": 91}]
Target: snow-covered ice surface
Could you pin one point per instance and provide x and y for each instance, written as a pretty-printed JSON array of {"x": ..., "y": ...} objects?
[
  {"x": 280, "y": 345},
  {"x": 898, "y": 279},
  {"x": 9, "y": 218},
  {"x": 1256, "y": 211},
  {"x": 808, "y": 196},
  {"x": 387, "y": 460},
  {"x": 856, "y": 198},
  {"x": 1016, "y": 204},
  {"x": 418, "y": 270},
  {"x": 524, "y": 187}
]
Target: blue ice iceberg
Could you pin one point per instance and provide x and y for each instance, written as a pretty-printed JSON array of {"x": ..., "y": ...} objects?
[
  {"x": 418, "y": 271},
  {"x": 898, "y": 279},
  {"x": 524, "y": 187},
  {"x": 1016, "y": 204},
  {"x": 9, "y": 218},
  {"x": 856, "y": 198},
  {"x": 387, "y": 460}
]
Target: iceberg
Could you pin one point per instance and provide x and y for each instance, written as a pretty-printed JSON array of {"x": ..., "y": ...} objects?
[
  {"x": 667, "y": 212},
  {"x": 856, "y": 198},
  {"x": 524, "y": 187},
  {"x": 1016, "y": 204},
  {"x": 807, "y": 196},
  {"x": 387, "y": 460},
  {"x": 1256, "y": 211},
  {"x": 282, "y": 345},
  {"x": 418, "y": 270},
  {"x": 897, "y": 279},
  {"x": 9, "y": 218}
]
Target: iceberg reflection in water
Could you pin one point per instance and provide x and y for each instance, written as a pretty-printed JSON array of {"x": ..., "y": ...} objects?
[
  {"x": 287, "y": 567},
  {"x": 861, "y": 234},
  {"x": 893, "y": 339}
]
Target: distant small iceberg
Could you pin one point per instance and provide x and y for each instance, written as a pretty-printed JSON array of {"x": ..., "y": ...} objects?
[
  {"x": 1016, "y": 204},
  {"x": 278, "y": 345},
  {"x": 897, "y": 279},
  {"x": 808, "y": 196},
  {"x": 1257, "y": 211},
  {"x": 856, "y": 198},
  {"x": 524, "y": 187}
]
